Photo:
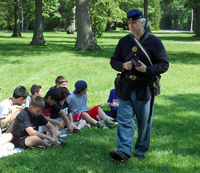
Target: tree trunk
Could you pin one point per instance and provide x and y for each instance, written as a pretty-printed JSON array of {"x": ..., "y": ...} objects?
[
  {"x": 85, "y": 39},
  {"x": 197, "y": 19},
  {"x": 146, "y": 16},
  {"x": 192, "y": 19},
  {"x": 38, "y": 38},
  {"x": 72, "y": 28},
  {"x": 108, "y": 27},
  {"x": 16, "y": 31}
]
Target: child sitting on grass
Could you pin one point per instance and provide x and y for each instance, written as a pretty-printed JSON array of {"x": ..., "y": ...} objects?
[
  {"x": 60, "y": 81},
  {"x": 78, "y": 106},
  {"x": 36, "y": 90},
  {"x": 51, "y": 98},
  {"x": 25, "y": 128},
  {"x": 112, "y": 103},
  {"x": 9, "y": 108},
  {"x": 63, "y": 104}
]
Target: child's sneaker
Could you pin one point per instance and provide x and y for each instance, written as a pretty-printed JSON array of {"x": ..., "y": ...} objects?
[
  {"x": 87, "y": 126},
  {"x": 101, "y": 125},
  {"x": 110, "y": 124},
  {"x": 60, "y": 143},
  {"x": 77, "y": 131},
  {"x": 36, "y": 147}
]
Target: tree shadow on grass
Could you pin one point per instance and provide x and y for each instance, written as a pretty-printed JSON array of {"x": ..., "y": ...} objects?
[
  {"x": 62, "y": 42},
  {"x": 107, "y": 50},
  {"x": 177, "y": 125},
  {"x": 72, "y": 37},
  {"x": 182, "y": 37},
  {"x": 9, "y": 61},
  {"x": 184, "y": 57},
  {"x": 4, "y": 36},
  {"x": 17, "y": 50},
  {"x": 20, "y": 50}
]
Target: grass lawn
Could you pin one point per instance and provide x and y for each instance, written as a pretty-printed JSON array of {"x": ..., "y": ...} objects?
[{"x": 175, "y": 136}]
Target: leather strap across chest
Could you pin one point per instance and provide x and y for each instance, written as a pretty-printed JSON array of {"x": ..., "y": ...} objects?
[{"x": 131, "y": 53}]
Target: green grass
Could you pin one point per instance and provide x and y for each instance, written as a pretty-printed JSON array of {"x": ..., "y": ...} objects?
[{"x": 175, "y": 137}]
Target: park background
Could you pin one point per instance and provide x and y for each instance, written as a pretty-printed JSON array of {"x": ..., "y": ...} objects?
[
  {"x": 93, "y": 17},
  {"x": 175, "y": 137}
]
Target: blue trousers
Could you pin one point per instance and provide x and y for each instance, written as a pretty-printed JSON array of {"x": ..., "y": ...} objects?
[{"x": 126, "y": 125}]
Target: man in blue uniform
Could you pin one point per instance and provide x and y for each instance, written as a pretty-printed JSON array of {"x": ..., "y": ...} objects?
[{"x": 134, "y": 89}]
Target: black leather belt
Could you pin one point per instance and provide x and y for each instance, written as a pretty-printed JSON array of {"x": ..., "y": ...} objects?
[{"x": 134, "y": 77}]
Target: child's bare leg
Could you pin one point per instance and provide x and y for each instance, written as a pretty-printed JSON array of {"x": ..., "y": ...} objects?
[
  {"x": 57, "y": 133},
  {"x": 35, "y": 140},
  {"x": 64, "y": 123},
  {"x": 102, "y": 114},
  {"x": 80, "y": 124},
  {"x": 89, "y": 119},
  {"x": 44, "y": 129},
  {"x": 5, "y": 138},
  {"x": 74, "y": 126}
]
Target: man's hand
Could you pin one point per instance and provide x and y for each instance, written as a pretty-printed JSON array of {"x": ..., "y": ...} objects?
[
  {"x": 142, "y": 68},
  {"x": 128, "y": 65}
]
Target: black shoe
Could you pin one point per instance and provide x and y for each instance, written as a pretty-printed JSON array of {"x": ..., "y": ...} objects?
[
  {"x": 60, "y": 143},
  {"x": 36, "y": 147},
  {"x": 119, "y": 155},
  {"x": 139, "y": 156},
  {"x": 76, "y": 131}
]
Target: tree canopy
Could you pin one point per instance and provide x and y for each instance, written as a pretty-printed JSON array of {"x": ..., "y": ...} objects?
[{"x": 105, "y": 15}]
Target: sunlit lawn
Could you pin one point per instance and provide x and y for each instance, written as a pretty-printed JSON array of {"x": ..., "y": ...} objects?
[{"x": 176, "y": 128}]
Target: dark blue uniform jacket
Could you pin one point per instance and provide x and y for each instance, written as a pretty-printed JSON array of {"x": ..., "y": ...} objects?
[{"x": 159, "y": 58}]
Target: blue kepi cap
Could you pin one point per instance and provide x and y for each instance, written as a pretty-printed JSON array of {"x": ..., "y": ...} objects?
[
  {"x": 79, "y": 85},
  {"x": 134, "y": 15}
]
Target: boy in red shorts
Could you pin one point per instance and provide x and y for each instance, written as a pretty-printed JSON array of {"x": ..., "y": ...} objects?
[{"x": 78, "y": 106}]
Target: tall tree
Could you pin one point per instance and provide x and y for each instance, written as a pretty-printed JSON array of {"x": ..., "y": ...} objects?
[
  {"x": 189, "y": 4},
  {"x": 197, "y": 20},
  {"x": 85, "y": 39},
  {"x": 154, "y": 14},
  {"x": 146, "y": 15},
  {"x": 104, "y": 13},
  {"x": 6, "y": 18},
  {"x": 67, "y": 10},
  {"x": 195, "y": 5},
  {"x": 175, "y": 16},
  {"x": 16, "y": 31},
  {"x": 38, "y": 38}
]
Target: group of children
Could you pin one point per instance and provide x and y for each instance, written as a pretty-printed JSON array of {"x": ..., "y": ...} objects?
[{"x": 30, "y": 121}]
